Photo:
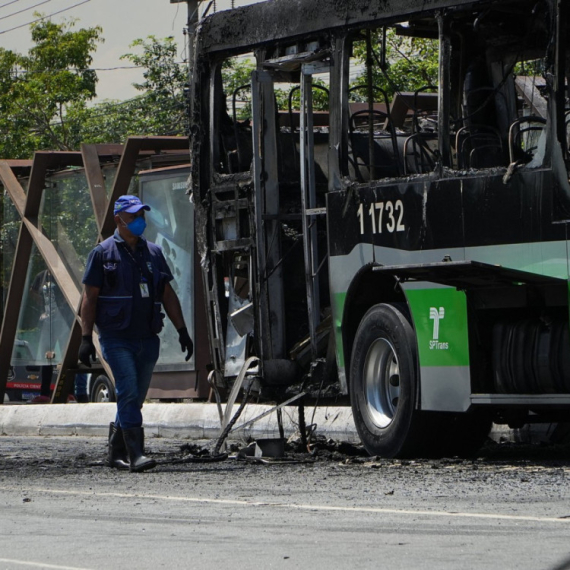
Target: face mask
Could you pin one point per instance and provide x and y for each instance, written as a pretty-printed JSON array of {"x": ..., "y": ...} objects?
[{"x": 137, "y": 226}]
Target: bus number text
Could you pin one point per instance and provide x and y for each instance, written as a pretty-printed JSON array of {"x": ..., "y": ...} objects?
[{"x": 384, "y": 216}]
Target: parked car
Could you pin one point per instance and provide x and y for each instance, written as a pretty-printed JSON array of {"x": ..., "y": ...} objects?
[{"x": 24, "y": 379}]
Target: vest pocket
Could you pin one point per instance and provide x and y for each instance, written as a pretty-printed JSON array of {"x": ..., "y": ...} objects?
[
  {"x": 113, "y": 313},
  {"x": 110, "y": 273}
]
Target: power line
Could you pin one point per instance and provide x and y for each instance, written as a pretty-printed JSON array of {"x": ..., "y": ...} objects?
[
  {"x": 24, "y": 72},
  {"x": 44, "y": 17},
  {"x": 24, "y": 10},
  {"x": 102, "y": 108},
  {"x": 8, "y": 3}
]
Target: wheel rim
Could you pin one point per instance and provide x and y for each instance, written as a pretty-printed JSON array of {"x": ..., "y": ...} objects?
[
  {"x": 381, "y": 383},
  {"x": 102, "y": 394}
]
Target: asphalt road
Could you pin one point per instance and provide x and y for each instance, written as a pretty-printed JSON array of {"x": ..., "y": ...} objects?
[{"x": 61, "y": 508}]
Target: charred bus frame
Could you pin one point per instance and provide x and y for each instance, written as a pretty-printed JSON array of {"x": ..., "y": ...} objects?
[{"x": 416, "y": 261}]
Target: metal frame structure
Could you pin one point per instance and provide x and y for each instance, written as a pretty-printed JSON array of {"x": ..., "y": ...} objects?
[{"x": 28, "y": 206}]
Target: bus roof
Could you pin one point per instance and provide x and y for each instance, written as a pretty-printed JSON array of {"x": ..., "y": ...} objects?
[{"x": 260, "y": 23}]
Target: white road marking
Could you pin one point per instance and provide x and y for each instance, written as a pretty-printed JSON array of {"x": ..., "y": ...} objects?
[
  {"x": 294, "y": 506},
  {"x": 39, "y": 564}
]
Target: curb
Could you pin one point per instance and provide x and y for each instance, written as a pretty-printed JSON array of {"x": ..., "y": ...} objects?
[
  {"x": 178, "y": 421},
  {"x": 201, "y": 422}
]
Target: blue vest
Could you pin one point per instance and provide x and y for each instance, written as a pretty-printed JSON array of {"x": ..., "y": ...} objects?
[{"x": 115, "y": 301}]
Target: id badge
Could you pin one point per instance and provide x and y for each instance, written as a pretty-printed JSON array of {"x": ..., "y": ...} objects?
[{"x": 144, "y": 290}]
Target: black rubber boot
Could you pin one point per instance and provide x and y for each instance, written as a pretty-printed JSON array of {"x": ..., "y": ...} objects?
[
  {"x": 118, "y": 457},
  {"x": 134, "y": 440}
]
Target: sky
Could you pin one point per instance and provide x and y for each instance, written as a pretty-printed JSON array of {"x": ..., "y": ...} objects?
[{"x": 122, "y": 21}]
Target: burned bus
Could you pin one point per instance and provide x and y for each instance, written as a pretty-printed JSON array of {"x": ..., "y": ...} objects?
[{"x": 406, "y": 249}]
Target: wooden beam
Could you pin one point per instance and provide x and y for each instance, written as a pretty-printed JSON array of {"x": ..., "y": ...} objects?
[
  {"x": 44, "y": 161},
  {"x": 28, "y": 207},
  {"x": 127, "y": 167},
  {"x": 95, "y": 181},
  {"x": 13, "y": 187},
  {"x": 121, "y": 184},
  {"x": 55, "y": 265},
  {"x": 13, "y": 304}
]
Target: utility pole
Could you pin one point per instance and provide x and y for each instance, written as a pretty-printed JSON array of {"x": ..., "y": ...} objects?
[
  {"x": 190, "y": 27},
  {"x": 189, "y": 33}
]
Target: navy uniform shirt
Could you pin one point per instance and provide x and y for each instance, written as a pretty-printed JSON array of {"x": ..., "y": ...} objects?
[{"x": 139, "y": 326}]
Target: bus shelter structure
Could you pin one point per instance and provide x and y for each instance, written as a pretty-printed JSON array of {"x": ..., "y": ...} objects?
[{"x": 109, "y": 171}]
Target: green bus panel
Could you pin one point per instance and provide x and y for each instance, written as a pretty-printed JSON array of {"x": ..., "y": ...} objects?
[{"x": 440, "y": 319}]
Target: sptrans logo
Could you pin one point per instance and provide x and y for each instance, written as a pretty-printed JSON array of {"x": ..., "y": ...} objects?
[{"x": 437, "y": 315}]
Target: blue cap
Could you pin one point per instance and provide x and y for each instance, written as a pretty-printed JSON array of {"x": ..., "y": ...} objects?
[{"x": 129, "y": 204}]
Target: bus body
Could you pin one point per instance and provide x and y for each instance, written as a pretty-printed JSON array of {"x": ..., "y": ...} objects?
[{"x": 408, "y": 250}]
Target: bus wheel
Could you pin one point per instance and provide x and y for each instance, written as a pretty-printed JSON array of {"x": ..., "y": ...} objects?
[{"x": 383, "y": 383}]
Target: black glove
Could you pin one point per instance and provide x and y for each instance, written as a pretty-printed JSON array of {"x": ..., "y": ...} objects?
[
  {"x": 185, "y": 342},
  {"x": 87, "y": 350}
]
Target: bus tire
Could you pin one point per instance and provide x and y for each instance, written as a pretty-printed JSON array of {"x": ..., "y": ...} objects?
[{"x": 383, "y": 384}]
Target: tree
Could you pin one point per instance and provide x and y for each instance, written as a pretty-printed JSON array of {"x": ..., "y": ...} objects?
[
  {"x": 411, "y": 63},
  {"x": 44, "y": 94},
  {"x": 236, "y": 73},
  {"x": 160, "y": 109},
  {"x": 109, "y": 121},
  {"x": 164, "y": 86},
  {"x": 37, "y": 89},
  {"x": 293, "y": 93}
]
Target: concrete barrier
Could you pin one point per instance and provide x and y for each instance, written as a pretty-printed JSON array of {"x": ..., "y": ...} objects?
[
  {"x": 201, "y": 422},
  {"x": 179, "y": 421}
]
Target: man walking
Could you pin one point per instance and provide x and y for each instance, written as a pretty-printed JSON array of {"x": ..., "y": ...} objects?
[{"x": 127, "y": 281}]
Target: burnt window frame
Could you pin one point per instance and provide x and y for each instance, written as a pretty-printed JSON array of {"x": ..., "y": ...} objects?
[
  {"x": 344, "y": 49},
  {"x": 215, "y": 88}
]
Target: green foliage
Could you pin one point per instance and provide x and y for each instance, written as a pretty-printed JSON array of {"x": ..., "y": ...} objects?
[
  {"x": 237, "y": 73},
  {"x": 163, "y": 100},
  {"x": 38, "y": 88},
  {"x": 9, "y": 238},
  {"x": 160, "y": 109},
  {"x": 73, "y": 230},
  {"x": 411, "y": 63},
  {"x": 531, "y": 68},
  {"x": 109, "y": 121},
  {"x": 320, "y": 97},
  {"x": 44, "y": 94}
]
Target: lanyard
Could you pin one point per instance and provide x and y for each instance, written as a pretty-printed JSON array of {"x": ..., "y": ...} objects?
[{"x": 137, "y": 264}]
